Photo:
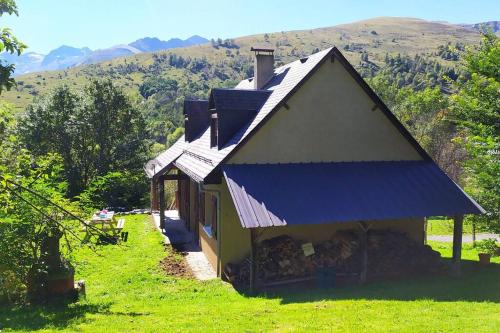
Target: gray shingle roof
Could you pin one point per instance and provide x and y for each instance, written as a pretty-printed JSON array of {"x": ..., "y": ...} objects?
[
  {"x": 198, "y": 160},
  {"x": 165, "y": 159},
  {"x": 237, "y": 99}
]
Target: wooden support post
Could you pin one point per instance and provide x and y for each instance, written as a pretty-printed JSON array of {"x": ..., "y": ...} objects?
[
  {"x": 457, "y": 244},
  {"x": 363, "y": 242},
  {"x": 253, "y": 259},
  {"x": 162, "y": 202},
  {"x": 426, "y": 224},
  {"x": 154, "y": 195},
  {"x": 473, "y": 234}
]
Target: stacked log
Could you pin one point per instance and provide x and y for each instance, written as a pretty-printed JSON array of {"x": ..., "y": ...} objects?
[
  {"x": 394, "y": 253},
  {"x": 389, "y": 252},
  {"x": 337, "y": 251},
  {"x": 281, "y": 258}
]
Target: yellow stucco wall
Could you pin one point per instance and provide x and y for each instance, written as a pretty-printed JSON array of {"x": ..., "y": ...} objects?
[
  {"x": 235, "y": 240},
  {"x": 316, "y": 233},
  {"x": 330, "y": 119},
  {"x": 209, "y": 248}
]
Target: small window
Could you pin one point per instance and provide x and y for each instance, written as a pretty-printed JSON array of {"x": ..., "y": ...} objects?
[
  {"x": 214, "y": 131},
  {"x": 210, "y": 222}
]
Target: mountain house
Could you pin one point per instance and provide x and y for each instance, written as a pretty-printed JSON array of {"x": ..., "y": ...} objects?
[{"x": 304, "y": 151}]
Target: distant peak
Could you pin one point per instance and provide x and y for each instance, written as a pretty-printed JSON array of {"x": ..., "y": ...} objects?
[{"x": 152, "y": 44}]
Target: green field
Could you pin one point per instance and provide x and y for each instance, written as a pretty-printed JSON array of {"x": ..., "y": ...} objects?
[
  {"x": 128, "y": 292},
  {"x": 444, "y": 227}
]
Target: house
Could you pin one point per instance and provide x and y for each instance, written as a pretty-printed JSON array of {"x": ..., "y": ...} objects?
[{"x": 303, "y": 150}]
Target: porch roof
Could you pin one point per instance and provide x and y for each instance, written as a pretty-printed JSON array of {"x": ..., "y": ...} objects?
[
  {"x": 292, "y": 194},
  {"x": 161, "y": 164}
]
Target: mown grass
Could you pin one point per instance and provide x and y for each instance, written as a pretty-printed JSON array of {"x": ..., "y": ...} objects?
[
  {"x": 127, "y": 292},
  {"x": 444, "y": 226}
]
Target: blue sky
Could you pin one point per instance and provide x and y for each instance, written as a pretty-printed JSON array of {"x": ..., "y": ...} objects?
[{"x": 47, "y": 24}]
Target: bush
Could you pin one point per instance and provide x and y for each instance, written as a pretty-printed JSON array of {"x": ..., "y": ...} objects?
[
  {"x": 116, "y": 189},
  {"x": 12, "y": 288},
  {"x": 488, "y": 246},
  {"x": 31, "y": 228}
]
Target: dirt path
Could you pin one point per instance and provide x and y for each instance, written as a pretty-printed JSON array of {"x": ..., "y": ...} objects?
[
  {"x": 465, "y": 238},
  {"x": 177, "y": 235}
]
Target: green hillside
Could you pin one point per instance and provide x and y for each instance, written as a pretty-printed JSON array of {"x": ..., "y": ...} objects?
[{"x": 222, "y": 63}]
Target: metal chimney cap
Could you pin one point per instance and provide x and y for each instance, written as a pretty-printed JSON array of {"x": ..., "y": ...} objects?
[{"x": 262, "y": 49}]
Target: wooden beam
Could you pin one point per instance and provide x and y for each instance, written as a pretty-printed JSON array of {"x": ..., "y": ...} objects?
[
  {"x": 162, "y": 201},
  {"x": 457, "y": 244},
  {"x": 154, "y": 195},
  {"x": 175, "y": 177},
  {"x": 363, "y": 242},
  {"x": 253, "y": 259},
  {"x": 426, "y": 224}
]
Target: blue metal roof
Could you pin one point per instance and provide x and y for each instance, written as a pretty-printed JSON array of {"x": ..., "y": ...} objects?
[{"x": 291, "y": 194}]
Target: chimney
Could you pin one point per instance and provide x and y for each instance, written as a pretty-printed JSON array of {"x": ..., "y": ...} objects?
[{"x": 263, "y": 66}]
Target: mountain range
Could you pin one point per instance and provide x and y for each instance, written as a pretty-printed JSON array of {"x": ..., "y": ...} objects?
[
  {"x": 67, "y": 56},
  {"x": 493, "y": 25}
]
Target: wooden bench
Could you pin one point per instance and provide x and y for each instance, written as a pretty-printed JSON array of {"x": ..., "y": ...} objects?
[
  {"x": 106, "y": 228},
  {"x": 115, "y": 230},
  {"x": 120, "y": 225}
]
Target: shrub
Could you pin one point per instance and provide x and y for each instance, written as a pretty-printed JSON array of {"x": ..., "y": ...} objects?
[
  {"x": 488, "y": 246},
  {"x": 116, "y": 189}
]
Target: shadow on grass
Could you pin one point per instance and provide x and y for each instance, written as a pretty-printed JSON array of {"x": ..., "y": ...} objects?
[
  {"x": 476, "y": 284},
  {"x": 57, "y": 316}
]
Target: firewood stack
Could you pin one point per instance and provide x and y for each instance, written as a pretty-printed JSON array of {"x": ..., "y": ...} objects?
[
  {"x": 281, "y": 258},
  {"x": 389, "y": 252},
  {"x": 337, "y": 251},
  {"x": 394, "y": 253}
]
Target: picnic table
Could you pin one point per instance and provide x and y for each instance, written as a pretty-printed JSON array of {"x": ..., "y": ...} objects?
[{"x": 104, "y": 222}]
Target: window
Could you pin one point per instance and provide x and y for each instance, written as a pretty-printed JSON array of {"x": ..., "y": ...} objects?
[
  {"x": 210, "y": 222},
  {"x": 214, "y": 130}
]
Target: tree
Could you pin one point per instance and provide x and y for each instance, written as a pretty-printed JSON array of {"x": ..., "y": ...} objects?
[
  {"x": 425, "y": 114},
  {"x": 157, "y": 84},
  {"x": 174, "y": 136},
  {"x": 6, "y": 123},
  {"x": 31, "y": 226},
  {"x": 95, "y": 132},
  {"x": 476, "y": 110},
  {"x": 8, "y": 43},
  {"x": 116, "y": 189}
]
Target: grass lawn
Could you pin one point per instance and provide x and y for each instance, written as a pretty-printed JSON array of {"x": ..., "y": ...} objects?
[
  {"x": 127, "y": 292},
  {"x": 444, "y": 226}
]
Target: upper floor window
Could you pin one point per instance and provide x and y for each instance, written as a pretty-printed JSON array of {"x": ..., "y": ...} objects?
[{"x": 214, "y": 130}]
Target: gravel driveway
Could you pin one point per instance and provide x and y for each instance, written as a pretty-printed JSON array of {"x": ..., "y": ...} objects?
[{"x": 465, "y": 238}]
